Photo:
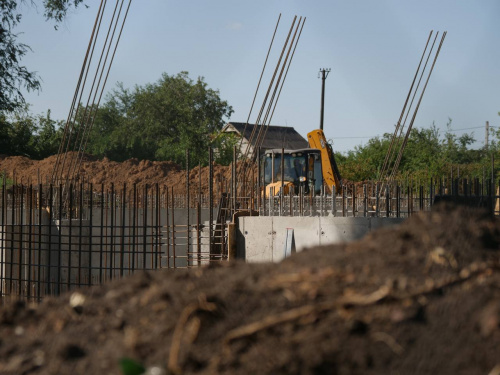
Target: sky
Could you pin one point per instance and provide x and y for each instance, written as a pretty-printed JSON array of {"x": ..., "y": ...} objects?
[{"x": 372, "y": 48}]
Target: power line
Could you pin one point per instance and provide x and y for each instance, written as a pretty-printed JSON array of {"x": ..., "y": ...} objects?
[
  {"x": 448, "y": 130},
  {"x": 375, "y": 136},
  {"x": 456, "y": 130}
]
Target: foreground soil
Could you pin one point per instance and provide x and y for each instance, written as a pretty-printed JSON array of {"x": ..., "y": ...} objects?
[{"x": 420, "y": 299}]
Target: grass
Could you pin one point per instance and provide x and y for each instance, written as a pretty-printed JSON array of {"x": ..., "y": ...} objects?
[{"x": 5, "y": 180}]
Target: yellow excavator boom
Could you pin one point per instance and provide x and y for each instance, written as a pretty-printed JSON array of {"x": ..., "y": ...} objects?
[{"x": 331, "y": 175}]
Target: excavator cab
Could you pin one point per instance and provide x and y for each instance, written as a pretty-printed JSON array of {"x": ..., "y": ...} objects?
[
  {"x": 301, "y": 168},
  {"x": 308, "y": 168}
]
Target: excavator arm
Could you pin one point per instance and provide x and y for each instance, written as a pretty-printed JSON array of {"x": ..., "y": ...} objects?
[{"x": 331, "y": 174}]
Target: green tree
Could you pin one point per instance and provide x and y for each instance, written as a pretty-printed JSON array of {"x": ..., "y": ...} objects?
[
  {"x": 5, "y": 143},
  {"x": 47, "y": 137},
  {"x": 13, "y": 75},
  {"x": 159, "y": 121},
  {"x": 427, "y": 153},
  {"x": 36, "y": 137},
  {"x": 21, "y": 130}
]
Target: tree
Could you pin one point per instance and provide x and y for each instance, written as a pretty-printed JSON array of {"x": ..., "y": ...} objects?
[
  {"x": 160, "y": 121},
  {"x": 13, "y": 75},
  {"x": 426, "y": 152},
  {"x": 36, "y": 137},
  {"x": 47, "y": 137}
]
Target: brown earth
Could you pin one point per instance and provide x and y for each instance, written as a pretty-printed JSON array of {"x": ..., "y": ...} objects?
[
  {"x": 104, "y": 171},
  {"x": 423, "y": 298}
]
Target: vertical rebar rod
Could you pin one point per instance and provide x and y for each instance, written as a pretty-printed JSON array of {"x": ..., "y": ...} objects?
[
  {"x": 398, "y": 200},
  {"x": 80, "y": 236},
  {"x": 30, "y": 234},
  {"x": 144, "y": 227},
  {"x": 168, "y": 226},
  {"x": 21, "y": 242},
  {"x": 173, "y": 229},
  {"x": 334, "y": 201},
  {"x": 49, "y": 250},
  {"x": 431, "y": 193},
  {"x": 365, "y": 201},
  {"x": 409, "y": 194},
  {"x": 233, "y": 183},
  {"x": 259, "y": 172},
  {"x": 198, "y": 232},
  {"x": 421, "y": 198},
  {"x": 101, "y": 235},
  {"x": 12, "y": 237},
  {"x": 122, "y": 229},
  {"x": 282, "y": 176},
  {"x": 91, "y": 235},
  {"x": 343, "y": 201},
  {"x": 70, "y": 234},
  {"x": 134, "y": 226},
  {"x": 211, "y": 200},
  {"x": 187, "y": 207},
  {"x": 252, "y": 197},
  {"x": 158, "y": 228},
  {"x": 388, "y": 201},
  {"x": 3, "y": 233},
  {"x": 353, "y": 200},
  {"x": 112, "y": 236}
]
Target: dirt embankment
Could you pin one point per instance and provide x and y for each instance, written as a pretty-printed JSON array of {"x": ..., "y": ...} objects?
[
  {"x": 105, "y": 171},
  {"x": 420, "y": 299}
]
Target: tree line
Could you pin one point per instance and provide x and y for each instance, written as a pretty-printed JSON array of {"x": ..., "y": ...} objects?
[
  {"x": 429, "y": 153},
  {"x": 157, "y": 121}
]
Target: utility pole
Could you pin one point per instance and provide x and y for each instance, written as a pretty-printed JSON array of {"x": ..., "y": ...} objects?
[
  {"x": 486, "y": 141},
  {"x": 324, "y": 73}
]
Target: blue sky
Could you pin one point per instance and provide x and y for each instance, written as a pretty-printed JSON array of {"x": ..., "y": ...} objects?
[{"x": 372, "y": 47}]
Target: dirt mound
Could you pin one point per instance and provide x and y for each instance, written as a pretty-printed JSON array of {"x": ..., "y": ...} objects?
[
  {"x": 107, "y": 172},
  {"x": 420, "y": 299}
]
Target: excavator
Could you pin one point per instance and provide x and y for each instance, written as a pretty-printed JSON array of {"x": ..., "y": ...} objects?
[{"x": 305, "y": 170}]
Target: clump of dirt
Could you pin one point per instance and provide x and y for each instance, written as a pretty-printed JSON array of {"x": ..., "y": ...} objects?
[
  {"x": 104, "y": 171},
  {"x": 423, "y": 298}
]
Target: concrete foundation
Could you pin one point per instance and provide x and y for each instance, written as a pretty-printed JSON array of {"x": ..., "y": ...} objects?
[{"x": 262, "y": 239}]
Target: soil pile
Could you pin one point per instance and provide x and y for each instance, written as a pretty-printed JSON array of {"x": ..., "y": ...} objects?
[
  {"x": 420, "y": 299},
  {"x": 105, "y": 171}
]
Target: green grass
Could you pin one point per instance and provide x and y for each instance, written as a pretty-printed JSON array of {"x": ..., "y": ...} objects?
[{"x": 4, "y": 179}]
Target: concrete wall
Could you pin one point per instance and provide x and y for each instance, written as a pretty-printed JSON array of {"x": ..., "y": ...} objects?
[{"x": 262, "y": 239}]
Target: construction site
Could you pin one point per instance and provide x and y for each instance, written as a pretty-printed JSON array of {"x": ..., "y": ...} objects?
[{"x": 273, "y": 264}]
